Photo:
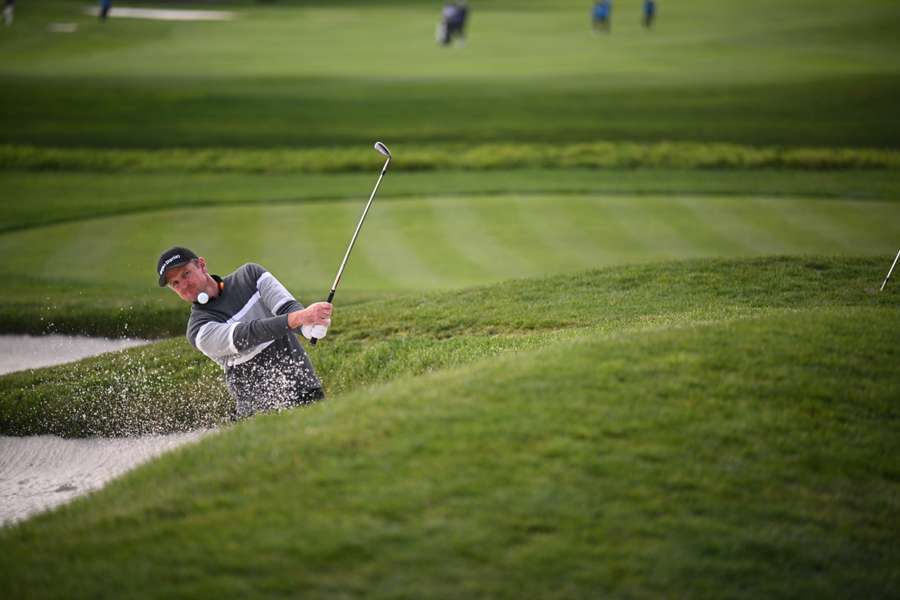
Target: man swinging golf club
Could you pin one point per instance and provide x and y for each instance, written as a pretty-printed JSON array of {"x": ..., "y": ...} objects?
[{"x": 246, "y": 323}]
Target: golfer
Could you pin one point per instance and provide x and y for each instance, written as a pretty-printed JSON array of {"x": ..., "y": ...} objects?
[{"x": 246, "y": 322}]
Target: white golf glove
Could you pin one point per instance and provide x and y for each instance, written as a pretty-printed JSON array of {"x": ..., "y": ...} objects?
[{"x": 315, "y": 331}]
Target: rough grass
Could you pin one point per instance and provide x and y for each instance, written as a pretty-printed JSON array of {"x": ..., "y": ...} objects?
[
  {"x": 411, "y": 157},
  {"x": 169, "y": 387},
  {"x": 740, "y": 447}
]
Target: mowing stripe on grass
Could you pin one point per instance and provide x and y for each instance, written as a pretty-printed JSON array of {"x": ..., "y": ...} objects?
[
  {"x": 66, "y": 197},
  {"x": 444, "y": 239},
  {"x": 820, "y": 227},
  {"x": 876, "y": 220},
  {"x": 703, "y": 218},
  {"x": 397, "y": 258},
  {"x": 542, "y": 220},
  {"x": 750, "y": 225},
  {"x": 666, "y": 227},
  {"x": 611, "y": 236},
  {"x": 489, "y": 232},
  {"x": 461, "y": 223}
]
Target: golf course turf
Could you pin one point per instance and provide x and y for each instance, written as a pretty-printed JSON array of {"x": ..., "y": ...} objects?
[
  {"x": 612, "y": 328},
  {"x": 713, "y": 447}
]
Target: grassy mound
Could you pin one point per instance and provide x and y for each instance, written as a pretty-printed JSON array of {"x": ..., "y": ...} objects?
[
  {"x": 737, "y": 438},
  {"x": 170, "y": 387}
]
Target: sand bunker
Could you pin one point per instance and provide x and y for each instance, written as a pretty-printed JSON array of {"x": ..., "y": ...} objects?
[
  {"x": 40, "y": 472},
  {"x": 164, "y": 14},
  {"x": 20, "y": 352}
]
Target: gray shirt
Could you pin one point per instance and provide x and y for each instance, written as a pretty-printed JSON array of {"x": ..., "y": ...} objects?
[{"x": 245, "y": 330}]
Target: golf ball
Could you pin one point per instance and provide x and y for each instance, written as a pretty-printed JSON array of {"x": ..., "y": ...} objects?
[{"x": 202, "y": 297}]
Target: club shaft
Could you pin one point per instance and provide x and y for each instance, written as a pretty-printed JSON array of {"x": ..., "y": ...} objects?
[
  {"x": 337, "y": 278},
  {"x": 884, "y": 283},
  {"x": 359, "y": 225}
]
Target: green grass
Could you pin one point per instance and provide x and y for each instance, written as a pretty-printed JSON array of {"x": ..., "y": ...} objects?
[
  {"x": 94, "y": 275},
  {"x": 54, "y": 197},
  {"x": 715, "y": 428},
  {"x": 149, "y": 389},
  {"x": 128, "y": 136},
  {"x": 596, "y": 155},
  {"x": 295, "y": 74},
  {"x": 611, "y": 330}
]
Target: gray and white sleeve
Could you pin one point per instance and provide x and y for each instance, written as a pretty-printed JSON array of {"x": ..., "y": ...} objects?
[
  {"x": 252, "y": 333},
  {"x": 215, "y": 340},
  {"x": 220, "y": 340},
  {"x": 279, "y": 301},
  {"x": 275, "y": 296}
]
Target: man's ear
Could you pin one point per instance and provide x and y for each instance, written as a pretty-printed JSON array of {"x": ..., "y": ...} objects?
[{"x": 201, "y": 262}]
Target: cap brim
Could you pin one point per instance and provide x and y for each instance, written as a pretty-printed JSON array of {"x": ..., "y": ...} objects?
[{"x": 162, "y": 278}]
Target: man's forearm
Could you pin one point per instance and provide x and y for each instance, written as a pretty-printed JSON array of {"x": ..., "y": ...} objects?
[{"x": 253, "y": 333}]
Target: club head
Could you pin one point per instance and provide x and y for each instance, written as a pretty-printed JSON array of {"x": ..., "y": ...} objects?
[{"x": 382, "y": 149}]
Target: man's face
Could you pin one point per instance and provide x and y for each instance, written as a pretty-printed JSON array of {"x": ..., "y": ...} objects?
[{"x": 188, "y": 280}]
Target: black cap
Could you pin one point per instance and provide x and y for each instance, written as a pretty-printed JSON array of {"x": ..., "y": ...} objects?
[{"x": 171, "y": 258}]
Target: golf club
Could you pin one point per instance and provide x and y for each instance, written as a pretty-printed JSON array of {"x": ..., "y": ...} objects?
[
  {"x": 884, "y": 283},
  {"x": 382, "y": 149}
]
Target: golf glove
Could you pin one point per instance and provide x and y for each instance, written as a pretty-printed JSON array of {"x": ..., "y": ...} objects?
[{"x": 315, "y": 331}]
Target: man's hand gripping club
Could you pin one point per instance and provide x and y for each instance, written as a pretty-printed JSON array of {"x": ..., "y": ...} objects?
[{"x": 313, "y": 321}]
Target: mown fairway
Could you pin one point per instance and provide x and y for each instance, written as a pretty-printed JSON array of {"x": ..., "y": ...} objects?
[
  {"x": 436, "y": 242},
  {"x": 611, "y": 329},
  {"x": 93, "y": 275},
  {"x": 321, "y": 73}
]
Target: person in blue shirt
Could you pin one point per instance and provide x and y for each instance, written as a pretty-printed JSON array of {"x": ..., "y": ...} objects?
[
  {"x": 459, "y": 22},
  {"x": 453, "y": 23},
  {"x": 649, "y": 13},
  {"x": 602, "y": 15},
  {"x": 105, "y": 6}
]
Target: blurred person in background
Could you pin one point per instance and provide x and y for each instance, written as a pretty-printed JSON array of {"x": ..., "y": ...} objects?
[
  {"x": 453, "y": 22},
  {"x": 602, "y": 15},
  {"x": 458, "y": 26},
  {"x": 9, "y": 11},
  {"x": 105, "y": 7},
  {"x": 649, "y": 13}
]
